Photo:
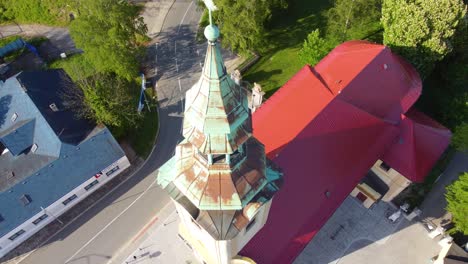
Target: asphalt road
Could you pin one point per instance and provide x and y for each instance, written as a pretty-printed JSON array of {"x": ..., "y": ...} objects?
[{"x": 102, "y": 231}]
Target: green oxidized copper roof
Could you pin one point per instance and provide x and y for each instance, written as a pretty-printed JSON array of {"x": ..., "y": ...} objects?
[
  {"x": 217, "y": 118},
  {"x": 217, "y": 122}
]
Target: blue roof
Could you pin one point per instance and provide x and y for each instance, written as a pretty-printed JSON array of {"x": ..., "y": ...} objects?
[
  {"x": 18, "y": 137},
  {"x": 52, "y": 87},
  {"x": 56, "y": 167}
]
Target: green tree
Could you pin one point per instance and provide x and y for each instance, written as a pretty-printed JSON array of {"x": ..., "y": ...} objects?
[
  {"x": 242, "y": 22},
  {"x": 52, "y": 12},
  {"x": 109, "y": 100},
  {"x": 457, "y": 203},
  {"x": 108, "y": 32},
  {"x": 460, "y": 137},
  {"x": 421, "y": 30},
  {"x": 353, "y": 19},
  {"x": 314, "y": 48}
]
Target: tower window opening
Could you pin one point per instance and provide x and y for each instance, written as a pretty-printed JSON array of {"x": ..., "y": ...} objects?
[{"x": 219, "y": 158}]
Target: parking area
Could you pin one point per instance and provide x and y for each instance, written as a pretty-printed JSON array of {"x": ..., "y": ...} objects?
[{"x": 356, "y": 235}]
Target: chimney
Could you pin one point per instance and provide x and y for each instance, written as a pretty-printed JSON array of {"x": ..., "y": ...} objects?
[{"x": 53, "y": 107}]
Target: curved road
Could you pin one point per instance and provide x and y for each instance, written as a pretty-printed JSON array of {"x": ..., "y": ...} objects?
[{"x": 98, "y": 235}]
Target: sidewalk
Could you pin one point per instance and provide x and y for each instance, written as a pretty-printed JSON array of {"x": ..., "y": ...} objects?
[
  {"x": 433, "y": 207},
  {"x": 158, "y": 242}
]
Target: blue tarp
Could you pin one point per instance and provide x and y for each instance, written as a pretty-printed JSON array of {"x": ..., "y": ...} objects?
[{"x": 12, "y": 46}]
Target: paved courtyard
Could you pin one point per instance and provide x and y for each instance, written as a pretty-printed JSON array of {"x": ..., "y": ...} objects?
[{"x": 356, "y": 235}]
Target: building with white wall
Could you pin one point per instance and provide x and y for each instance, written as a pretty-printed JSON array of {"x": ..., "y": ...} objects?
[{"x": 50, "y": 159}]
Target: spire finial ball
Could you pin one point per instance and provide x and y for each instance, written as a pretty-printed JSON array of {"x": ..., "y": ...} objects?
[{"x": 211, "y": 33}]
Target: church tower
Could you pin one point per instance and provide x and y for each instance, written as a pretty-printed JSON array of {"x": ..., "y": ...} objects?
[{"x": 220, "y": 180}]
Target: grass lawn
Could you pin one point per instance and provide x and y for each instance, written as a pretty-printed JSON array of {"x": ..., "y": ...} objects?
[
  {"x": 142, "y": 138},
  {"x": 280, "y": 59}
]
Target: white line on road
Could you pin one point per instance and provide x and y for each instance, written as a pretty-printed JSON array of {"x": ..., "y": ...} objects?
[
  {"x": 175, "y": 47},
  {"x": 180, "y": 86},
  {"x": 110, "y": 223},
  {"x": 186, "y": 11},
  {"x": 176, "y": 65}
]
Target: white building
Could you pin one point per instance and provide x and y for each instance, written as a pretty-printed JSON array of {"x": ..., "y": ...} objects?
[{"x": 50, "y": 160}]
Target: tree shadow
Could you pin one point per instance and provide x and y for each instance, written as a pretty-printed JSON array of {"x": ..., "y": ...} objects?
[
  {"x": 296, "y": 23},
  {"x": 5, "y": 102},
  {"x": 263, "y": 75}
]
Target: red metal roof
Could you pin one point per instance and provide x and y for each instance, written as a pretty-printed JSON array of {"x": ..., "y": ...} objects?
[
  {"x": 422, "y": 141},
  {"x": 325, "y": 128},
  {"x": 289, "y": 111},
  {"x": 376, "y": 80}
]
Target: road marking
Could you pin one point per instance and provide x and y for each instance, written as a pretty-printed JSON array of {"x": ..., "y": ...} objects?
[
  {"x": 180, "y": 86},
  {"x": 110, "y": 223},
  {"x": 186, "y": 11},
  {"x": 145, "y": 228},
  {"x": 175, "y": 47},
  {"x": 176, "y": 65},
  {"x": 121, "y": 251}
]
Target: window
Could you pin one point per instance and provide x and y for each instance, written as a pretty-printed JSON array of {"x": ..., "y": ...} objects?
[
  {"x": 384, "y": 166},
  {"x": 361, "y": 197},
  {"x": 219, "y": 158},
  {"x": 109, "y": 173},
  {"x": 249, "y": 225},
  {"x": 34, "y": 148},
  {"x": 69, "y": 199},
  {"x": 14, "y": 117},
  {"x": 25, "y": 199},
  {"x": 38, "y": 220},
  {"x": 91, "y": 185},
  {"x": 17, "y": 234}
]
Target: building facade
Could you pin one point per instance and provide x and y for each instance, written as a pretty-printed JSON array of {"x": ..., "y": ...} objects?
[{"x": 50, "y": 160}]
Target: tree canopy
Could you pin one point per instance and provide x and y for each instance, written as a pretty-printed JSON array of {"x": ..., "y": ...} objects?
[
  {"x": 355, "y": 19},
  {"x": 460, "y": 137},
  {"x": 314, "y": 48},
  {"x": 421, "y": 30},
  {"x": 110, "y": 101},
  {"x": 242, "y": 22},
  {"x": 51, "y": 12},
  {"x": 108, "y": 31},
  {"x": 457, "y": 202}
]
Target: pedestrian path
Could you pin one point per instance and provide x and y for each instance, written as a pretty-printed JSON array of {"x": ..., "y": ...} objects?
[{"x": 433, "y": 207}]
